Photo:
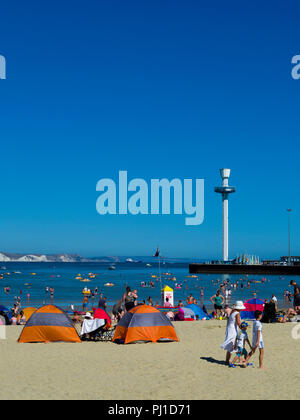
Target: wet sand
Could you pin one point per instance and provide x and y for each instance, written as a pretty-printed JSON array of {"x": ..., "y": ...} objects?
[{"x": 191, "y": 369}]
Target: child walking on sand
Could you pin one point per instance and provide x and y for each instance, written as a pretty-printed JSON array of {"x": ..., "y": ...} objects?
[
  {"x": 257, "y": 340},
  {"x": 241, "y": 340}
]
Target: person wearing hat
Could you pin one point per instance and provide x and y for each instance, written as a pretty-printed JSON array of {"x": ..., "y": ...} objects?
[
  {"x": 241, "y": 339},
  {"x": 234, "y": 322}
]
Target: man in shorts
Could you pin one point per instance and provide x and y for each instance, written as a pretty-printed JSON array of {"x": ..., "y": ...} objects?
[{"x": 296, "y": 295}]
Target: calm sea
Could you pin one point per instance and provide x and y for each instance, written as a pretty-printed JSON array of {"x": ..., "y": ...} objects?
[{"x": 68, "y": 290}]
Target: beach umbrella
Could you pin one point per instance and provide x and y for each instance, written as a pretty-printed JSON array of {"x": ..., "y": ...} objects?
[{"x": 252, "y": 305}]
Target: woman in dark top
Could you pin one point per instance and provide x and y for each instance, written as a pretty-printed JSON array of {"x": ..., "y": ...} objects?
[{"x": 128, "y": 298}]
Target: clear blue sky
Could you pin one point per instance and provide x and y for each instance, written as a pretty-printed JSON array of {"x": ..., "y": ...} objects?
[{"x": 158, "y": 88}]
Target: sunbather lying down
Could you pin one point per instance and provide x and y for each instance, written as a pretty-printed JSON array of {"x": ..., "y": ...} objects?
[{"x": 291, "y": 311}]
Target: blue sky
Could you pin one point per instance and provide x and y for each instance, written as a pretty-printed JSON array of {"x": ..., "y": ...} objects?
[{"x": 160, "y": 89}]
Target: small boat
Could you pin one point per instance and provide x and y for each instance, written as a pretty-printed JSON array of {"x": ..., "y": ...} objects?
[
  {"x": 109, "y": 285},
  {"x": 111, "y": 267}
]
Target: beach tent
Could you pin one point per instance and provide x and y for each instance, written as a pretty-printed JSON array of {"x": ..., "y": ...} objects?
[
  {"x": 28, "y": 312},
  {"x": 189, "y": 314},
  {"x": 197, "y": 311},
  {"x": 252, "y": 305},
  {"x": 49, "y": 324},
  {"x": 144, "y": 323},
  {"x": 101, "y": 314},
  {"x": 7, "y": 313}
]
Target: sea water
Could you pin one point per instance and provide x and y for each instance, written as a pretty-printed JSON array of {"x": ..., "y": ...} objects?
[{"x": 68, "y": 290}]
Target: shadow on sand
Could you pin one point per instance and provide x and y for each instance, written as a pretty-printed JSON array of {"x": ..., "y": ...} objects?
[{"x": 212, "y": 360}]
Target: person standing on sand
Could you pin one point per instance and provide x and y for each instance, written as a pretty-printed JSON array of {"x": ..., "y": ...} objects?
[
  {"x": 218, "y": 301},
  {"x": 234, "y": 322},
  {"x": 257, "y": 339},
  {"x": 296, "y": 295}
]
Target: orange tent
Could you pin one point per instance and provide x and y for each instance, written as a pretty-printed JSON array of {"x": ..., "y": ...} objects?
[
  {"x": 144, "y": 323},
  {"x": 28, "y": 312},
  {"x": 47, "y": 324}
]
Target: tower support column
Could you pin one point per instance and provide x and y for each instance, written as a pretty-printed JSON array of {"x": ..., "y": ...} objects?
[{"x": 225, "y": 190}]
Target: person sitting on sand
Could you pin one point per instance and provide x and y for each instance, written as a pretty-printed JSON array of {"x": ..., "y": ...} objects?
[
  {"x": 77, "y": 319},
  {"x": 269, "y": 312},
  {"x": 22, "y": 318},
  {"x": 257, "y": 339},
  {"x": 290, "y": 312},
  {"x": 14, "y": 319},
  {"x": 296, "y": 310},
  {"x": 234, "y": 322},
  {"x": 179, "y": 316},
  {"x": 170, "y": 315}
]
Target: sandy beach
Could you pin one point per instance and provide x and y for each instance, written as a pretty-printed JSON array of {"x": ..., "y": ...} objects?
[{"x": 190, "y": 369}]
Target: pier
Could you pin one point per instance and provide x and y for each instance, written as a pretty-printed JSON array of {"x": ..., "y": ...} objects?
[{"x": 280, "y": 270}]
